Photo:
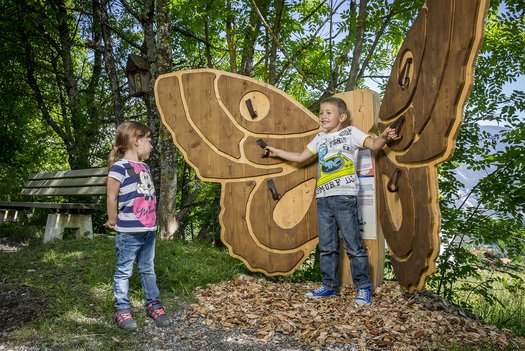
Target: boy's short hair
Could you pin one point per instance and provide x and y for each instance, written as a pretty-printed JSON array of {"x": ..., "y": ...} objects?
[{"x": 341, "y": 105}]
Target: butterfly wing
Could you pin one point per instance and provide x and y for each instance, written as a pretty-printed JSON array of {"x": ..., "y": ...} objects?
[
  {"x": 426, "y": 93},
  {"x": 215, "y": 119}
]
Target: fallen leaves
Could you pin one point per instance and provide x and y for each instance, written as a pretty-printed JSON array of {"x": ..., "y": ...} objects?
[{"x": 397, "y": 320}]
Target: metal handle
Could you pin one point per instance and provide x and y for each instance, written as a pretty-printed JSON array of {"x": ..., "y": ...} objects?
[
  {"x": 249, "y": 105},
  {"x": 273, "y": 189},
  {"x": 404, "y": 77},
  {"x": 392, "y": 182},
  {"x": 263, "y": 145}
]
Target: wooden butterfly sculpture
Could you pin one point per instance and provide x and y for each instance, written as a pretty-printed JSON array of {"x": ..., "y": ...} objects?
[{"x": 220, "y": 121}]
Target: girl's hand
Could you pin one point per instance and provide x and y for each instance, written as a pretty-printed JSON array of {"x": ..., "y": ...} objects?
[{"x": 110, "y": 224}]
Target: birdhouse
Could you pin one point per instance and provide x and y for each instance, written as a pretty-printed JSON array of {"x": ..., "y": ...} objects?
[{"x": 138, "y": 76}]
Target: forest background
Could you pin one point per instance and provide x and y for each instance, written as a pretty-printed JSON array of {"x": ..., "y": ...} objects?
[{"x": 64, "y": 89}]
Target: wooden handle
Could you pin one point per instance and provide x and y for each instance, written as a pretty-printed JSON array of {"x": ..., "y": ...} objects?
[
  {"x": 273, "y": 189},
  {"x": 404, "y": 77},
  {"x": 392, "y": 182},
  {"x": 263, "y": 145},
  {"x": 249, "y": 105}
]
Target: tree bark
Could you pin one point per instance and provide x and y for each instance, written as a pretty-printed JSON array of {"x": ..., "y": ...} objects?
[
  {"x": 250, "y": 38},
  {"x": 230, "y": 39},
  {"x": 273, "y": 49},
  {"x": 168, "y": 162},
  {"x": 358, "y": 47},
  {"x": 92, "y": 110},
  {"x": 101, "y": 16}
]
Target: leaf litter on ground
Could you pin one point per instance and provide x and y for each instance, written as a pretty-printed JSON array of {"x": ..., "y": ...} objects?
[{"x": 396, "y": 320}]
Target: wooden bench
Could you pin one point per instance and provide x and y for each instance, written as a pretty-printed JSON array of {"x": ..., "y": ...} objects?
[{"x": 82, "y": 182}]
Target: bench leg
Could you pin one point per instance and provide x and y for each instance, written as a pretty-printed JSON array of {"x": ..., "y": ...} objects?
[
  {"x": 9, "y": 215},
  {"x": 57, "y": 222}
]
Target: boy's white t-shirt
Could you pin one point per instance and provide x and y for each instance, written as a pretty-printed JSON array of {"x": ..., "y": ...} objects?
[{"x": 337, "y": 155}]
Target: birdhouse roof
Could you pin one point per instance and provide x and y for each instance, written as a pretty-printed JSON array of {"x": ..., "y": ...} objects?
[{"x": 136, "y": 62}]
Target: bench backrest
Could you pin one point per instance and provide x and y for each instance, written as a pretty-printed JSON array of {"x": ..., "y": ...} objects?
[{"x": 91, "y": 181}]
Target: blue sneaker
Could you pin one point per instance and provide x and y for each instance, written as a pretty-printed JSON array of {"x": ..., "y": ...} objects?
[
  {"x": 320, "y": 292},
  {"x": 364, "y": 297}
]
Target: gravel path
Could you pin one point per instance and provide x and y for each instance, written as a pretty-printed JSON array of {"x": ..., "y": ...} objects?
[
  {"x": 191, "y": 333},
  {"x": 187, "y": 333}
]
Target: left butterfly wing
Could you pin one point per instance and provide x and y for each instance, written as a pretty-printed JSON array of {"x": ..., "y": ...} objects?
[{"x": 215, "y": 119}]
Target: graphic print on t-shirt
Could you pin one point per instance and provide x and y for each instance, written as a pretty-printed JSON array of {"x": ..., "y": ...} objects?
[
  {"x": 333, "y": 170},
  {"x": 144, "y": 207}
]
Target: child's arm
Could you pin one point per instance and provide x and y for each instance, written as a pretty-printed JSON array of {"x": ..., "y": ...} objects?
[
  {"x": 377, "y": 143},
  {"x": 113, "y": 187},
  {"x": 288, "y": 155}
]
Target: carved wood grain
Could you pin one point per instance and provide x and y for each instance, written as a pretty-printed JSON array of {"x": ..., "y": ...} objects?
[{"x": 444, "y": 51}]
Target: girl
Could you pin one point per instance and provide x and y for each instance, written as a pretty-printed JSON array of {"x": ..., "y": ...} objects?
[
  {"x": 337, "y": 188},
  {"x": 131, "y": 188}
]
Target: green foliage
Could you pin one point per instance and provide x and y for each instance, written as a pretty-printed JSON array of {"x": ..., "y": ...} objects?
[
  {"x": 55, "y": 114},
  {"x": 24, "y": 231},
  {"x": 496, "y": 220},
  {"x": 71, "y": 283}
]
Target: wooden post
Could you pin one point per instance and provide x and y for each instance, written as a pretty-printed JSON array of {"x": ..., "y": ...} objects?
[{"x": 363, "y": 106}]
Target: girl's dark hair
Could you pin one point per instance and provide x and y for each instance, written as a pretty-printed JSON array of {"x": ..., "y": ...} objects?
[
  {"x": 341, "y": 105},
  {"x": 124, "y": 137}
]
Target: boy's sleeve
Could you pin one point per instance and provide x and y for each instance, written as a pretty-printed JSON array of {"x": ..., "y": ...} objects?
[
  {"x": 313, "y": 145},
  {"x": 359, "y": 136}
]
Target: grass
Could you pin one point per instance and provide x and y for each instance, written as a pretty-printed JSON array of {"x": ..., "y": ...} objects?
[
  {"x": 70, "y": 282},
  {"x": 508, "y": 311},
  {"x": 65, "y": 299}
]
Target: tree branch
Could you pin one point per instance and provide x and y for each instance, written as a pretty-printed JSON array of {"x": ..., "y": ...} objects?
[{"x": 276, "y": 40}]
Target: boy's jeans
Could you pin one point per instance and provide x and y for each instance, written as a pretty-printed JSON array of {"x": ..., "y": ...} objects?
[
  {"x": 334, "y": 213},
  {"x": 139, "y": 246}
]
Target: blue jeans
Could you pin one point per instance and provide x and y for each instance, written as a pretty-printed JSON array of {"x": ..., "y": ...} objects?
[
  {"x": 336, "y": 213},
  {"x": 131, "y": 247}
]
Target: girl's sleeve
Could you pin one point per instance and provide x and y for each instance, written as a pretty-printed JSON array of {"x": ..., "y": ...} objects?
[{"x": 117, "y": 172}]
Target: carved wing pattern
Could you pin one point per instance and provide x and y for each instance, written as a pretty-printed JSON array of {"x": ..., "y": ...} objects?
[
  {"x": 428, "y": 87},
  {"x": 215, "y": 119}
]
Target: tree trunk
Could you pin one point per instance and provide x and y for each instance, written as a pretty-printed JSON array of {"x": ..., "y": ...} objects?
[
  {"x": 250, "y": 38},
  {"x": 100, "y": 8},
  {"x": 358, "y": 47},
  {"x": 93, "y": 86},
  {"x": 273, "y": 49},
  {"x": 168, "y": 162},
  {"x": 79, "y": 151},
  {"x": 230, "y": 39}
]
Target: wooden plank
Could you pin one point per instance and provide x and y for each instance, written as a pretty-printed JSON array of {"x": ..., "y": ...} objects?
[
  {"x": 78, "y": 191},
  {"x": 51, "y": 205},
  {"x": 244, "y": 247},
  {"x": 208, "y": 162},
  {"x": 432, "y": 106},
  {"x": 15, "y": 205},
  {"x": 66, "y": 182},
  {"x": 277, "y": 112},
  {"x": 88, "y": 172},
  {"x": 292, "y": 226}
]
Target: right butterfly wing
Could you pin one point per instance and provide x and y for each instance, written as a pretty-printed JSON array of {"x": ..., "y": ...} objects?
[{"x": 428, "y": 87}]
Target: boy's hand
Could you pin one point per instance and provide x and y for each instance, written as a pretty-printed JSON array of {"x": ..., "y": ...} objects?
[
  {"x": 271, "y": 151},
  {"x": 390, "y": 134}
]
